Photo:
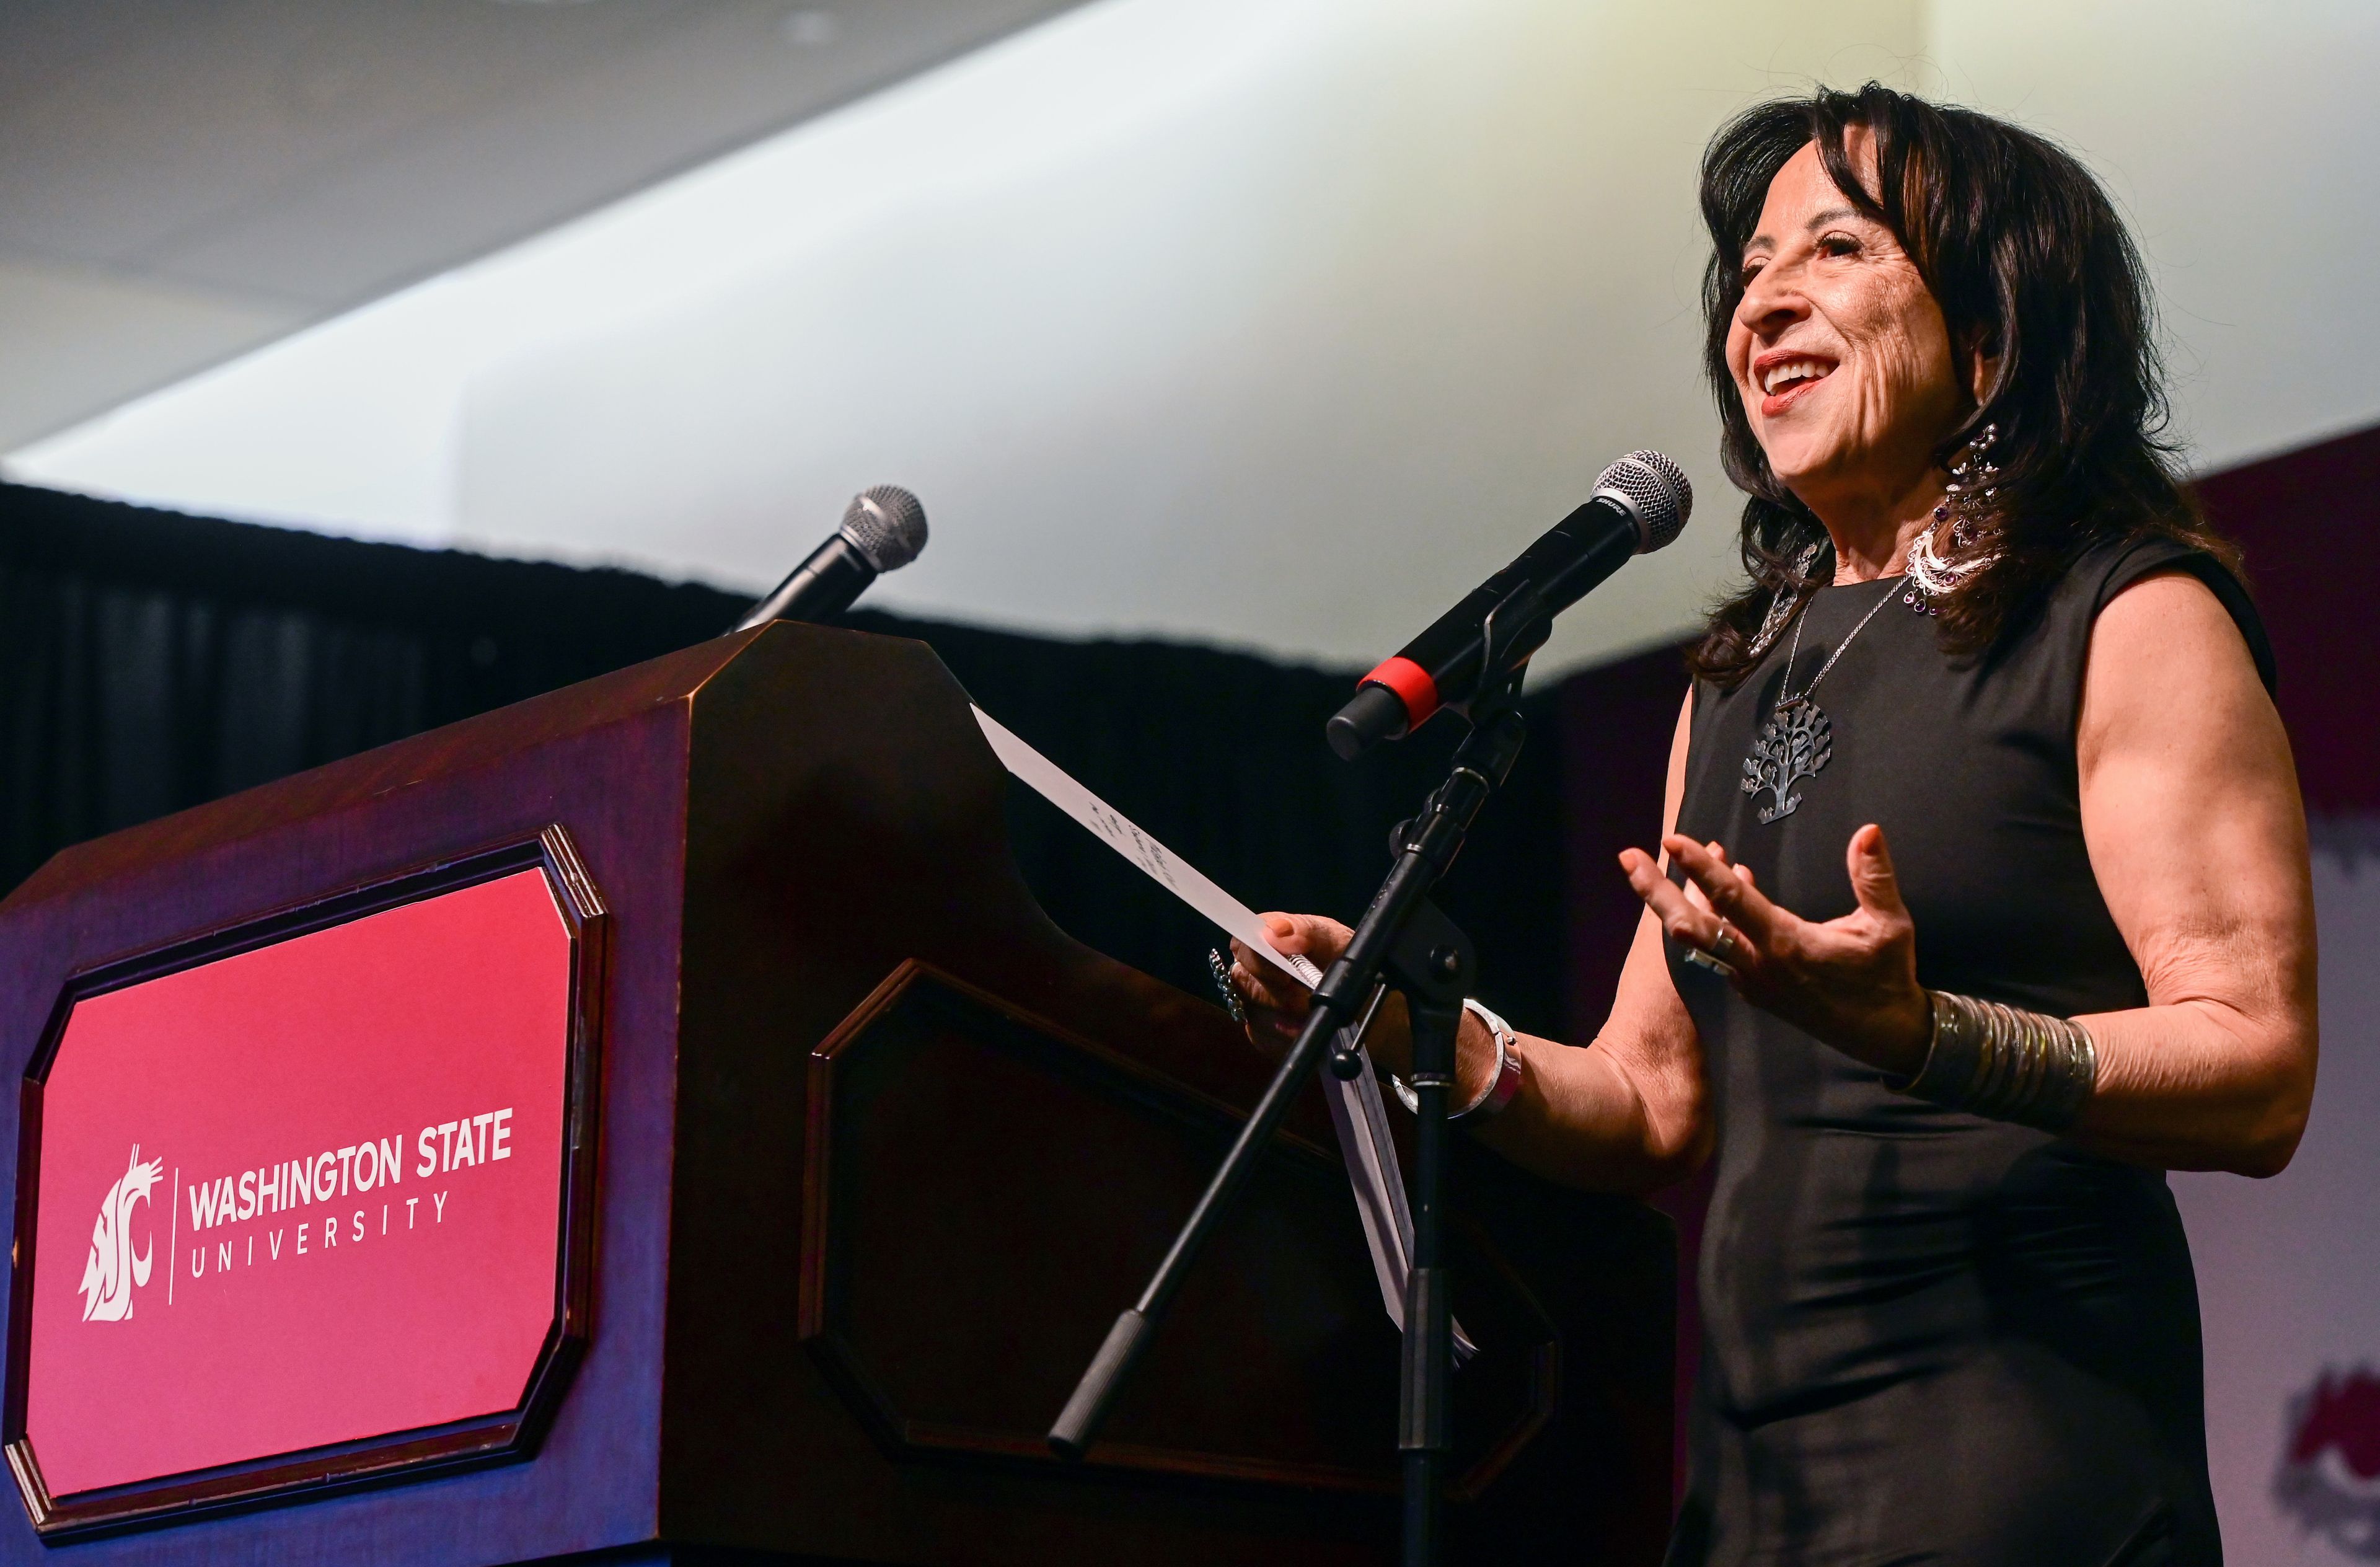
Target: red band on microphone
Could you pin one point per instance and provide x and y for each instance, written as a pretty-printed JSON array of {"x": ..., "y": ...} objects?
[{"x": 1412, "y": 685}]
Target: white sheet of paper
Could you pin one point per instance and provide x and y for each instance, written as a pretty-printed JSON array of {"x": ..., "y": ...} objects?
[
  {"x": 1162, "y": 866},
  {"x": 1356, "y": 1112}
]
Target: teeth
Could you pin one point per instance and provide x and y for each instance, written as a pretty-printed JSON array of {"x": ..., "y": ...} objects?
[{"x": 1791, "y": 369}]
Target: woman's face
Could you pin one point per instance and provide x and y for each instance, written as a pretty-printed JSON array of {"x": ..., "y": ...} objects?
[{"x": 1838, "y": 351}]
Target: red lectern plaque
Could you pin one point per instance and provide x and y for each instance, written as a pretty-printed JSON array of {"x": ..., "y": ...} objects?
[{"x": 303, "y": 1188}]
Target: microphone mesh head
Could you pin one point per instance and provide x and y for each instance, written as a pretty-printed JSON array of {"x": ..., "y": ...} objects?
[
  {"x": 1657, "y": 490},
  {"x": 886, "y": 525}
]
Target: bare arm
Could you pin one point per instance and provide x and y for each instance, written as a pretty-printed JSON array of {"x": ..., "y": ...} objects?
[
  {"x": 2198, "y": 838},
  {"x": 1626, "y": 1114}
]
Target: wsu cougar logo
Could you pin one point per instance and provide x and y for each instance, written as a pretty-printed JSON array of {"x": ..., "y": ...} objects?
[
  {"x": 2329, "y": 1479},
  {"x": 109, "y": 1277}
]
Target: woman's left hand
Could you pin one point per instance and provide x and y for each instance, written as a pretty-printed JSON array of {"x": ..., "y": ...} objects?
[{"x": 1850, "y": 982}]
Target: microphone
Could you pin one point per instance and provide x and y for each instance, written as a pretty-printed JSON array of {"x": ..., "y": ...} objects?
[
  {"x": 883, "y": 530},
  {"x": 1639, "y": 504}
]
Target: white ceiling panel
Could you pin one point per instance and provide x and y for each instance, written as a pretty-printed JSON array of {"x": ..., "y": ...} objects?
[
  {"x": 298, "y": 158},
  {"x": 1274, "y": 322}
]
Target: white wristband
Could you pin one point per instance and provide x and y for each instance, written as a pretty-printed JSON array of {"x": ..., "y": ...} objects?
[{"x": 1500, "y": 1087}]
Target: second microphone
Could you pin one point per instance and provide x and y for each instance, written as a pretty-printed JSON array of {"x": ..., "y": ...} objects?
[{"x": 883, "y": 530}]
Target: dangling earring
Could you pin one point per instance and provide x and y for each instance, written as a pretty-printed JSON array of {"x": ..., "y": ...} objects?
[{"x": 1966, "y": 506}]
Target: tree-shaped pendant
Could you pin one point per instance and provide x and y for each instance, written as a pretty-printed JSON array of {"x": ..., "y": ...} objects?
[{"x": 1793, "y": 745}]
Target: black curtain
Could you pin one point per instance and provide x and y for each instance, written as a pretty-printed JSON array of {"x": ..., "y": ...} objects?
[{"x": 151, "y": 660}]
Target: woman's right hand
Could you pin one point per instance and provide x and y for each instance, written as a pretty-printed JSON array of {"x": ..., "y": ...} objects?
[{"x": 1276, "y": 1003}]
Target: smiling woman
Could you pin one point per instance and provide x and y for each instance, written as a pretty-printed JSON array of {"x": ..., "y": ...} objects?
[
  {"x": 1948, "y": 1302},
  {"x": 1965, "y": 273}
]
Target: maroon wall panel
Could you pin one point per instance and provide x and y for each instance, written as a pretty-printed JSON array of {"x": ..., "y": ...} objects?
[{"x": 2310, "y": 523}]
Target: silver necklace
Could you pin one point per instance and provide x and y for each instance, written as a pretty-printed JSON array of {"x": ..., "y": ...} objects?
[
  {"x": 1799, "y": 739},
  {"x": 1781, "y": 605}
]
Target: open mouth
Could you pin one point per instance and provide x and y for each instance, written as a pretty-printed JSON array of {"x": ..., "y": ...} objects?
[{"x": 1784, "y": 377}]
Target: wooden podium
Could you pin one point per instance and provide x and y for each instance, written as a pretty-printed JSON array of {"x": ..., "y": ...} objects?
[{"x": 859, "y": 1156}]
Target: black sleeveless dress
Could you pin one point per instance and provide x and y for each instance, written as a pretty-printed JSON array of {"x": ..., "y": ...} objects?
[{"x": 1929, "y": 1337}]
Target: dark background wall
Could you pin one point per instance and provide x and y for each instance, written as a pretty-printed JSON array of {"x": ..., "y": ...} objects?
[{"x": 151, "y": 660}]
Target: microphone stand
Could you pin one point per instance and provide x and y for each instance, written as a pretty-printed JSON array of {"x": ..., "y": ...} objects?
[{"x": 1404, "y": 942}]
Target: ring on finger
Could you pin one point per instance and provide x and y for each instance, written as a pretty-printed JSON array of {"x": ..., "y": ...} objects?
[{"x": 1702, "y": 959}]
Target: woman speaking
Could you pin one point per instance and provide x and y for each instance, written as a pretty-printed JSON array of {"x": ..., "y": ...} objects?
[{"x": 1983, "y": 895}]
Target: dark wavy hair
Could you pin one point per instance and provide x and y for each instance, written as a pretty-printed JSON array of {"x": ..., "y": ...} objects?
[{"x": 2030, "y": 262}]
